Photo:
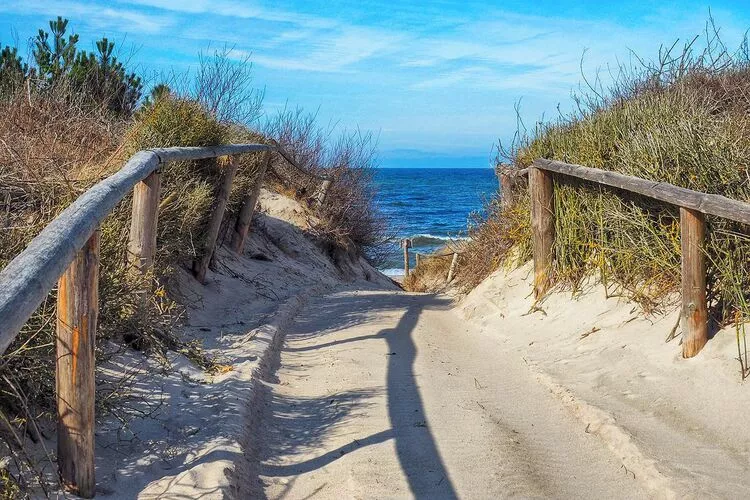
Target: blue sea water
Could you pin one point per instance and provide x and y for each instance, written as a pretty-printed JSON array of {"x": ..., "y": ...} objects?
[{"x": 430, "y": 205}]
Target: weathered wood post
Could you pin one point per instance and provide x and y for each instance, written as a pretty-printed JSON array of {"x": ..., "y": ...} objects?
[
  {"x": 406, "y": 245},
  {"x": 245, "y": 217},
  {"x": 200, "y": 266},
  {"x": 143, "y": 222},
  {"x": 322, "y": 192},
  {"x": 694, "y": 305},
  {"x": 541, "y": 188},
  {"x": 507, "y": 182},
  {"x": 452, "y": 269},
  {"x": 77, "y": 311},
  {"x": 418, "y": 259}
]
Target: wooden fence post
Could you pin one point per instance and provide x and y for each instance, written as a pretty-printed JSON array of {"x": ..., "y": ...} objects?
[
  {"x": 418, "y": 259},
  {"x": 143, "y": 222},
  {"x": 452, "y": 269},
  {"x": 322, "y": 192},
  {"x": 507, "y": 183},
  {"x": 694, "y": 306},
  {"x": 541, "y": 188},
  {"x": 245, "y": 217},
  {"x": 200, "y": 266},
  {"x": 406, "y": 244},
  {"x": 77, "y": 311}
]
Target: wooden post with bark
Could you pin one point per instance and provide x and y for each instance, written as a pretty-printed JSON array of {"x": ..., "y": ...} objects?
[
  {"x": 541, "y": 188},
  {"x": 694, "y": 304},
  {"x": 200, "y": 266},
  {"x": 77, "y": 311},
  {"x": 406, "y": 245},
  {"x": 245, "y": 217},
  {"x": 507, "y": 180},
  {"x": 143, "y": 222},
  {"x": 322, "y": 193}
]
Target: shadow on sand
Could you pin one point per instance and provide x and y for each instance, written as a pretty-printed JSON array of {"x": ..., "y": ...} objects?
[{"x": 295, "y": 426}]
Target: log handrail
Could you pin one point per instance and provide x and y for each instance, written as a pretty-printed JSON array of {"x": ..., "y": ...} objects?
[
  {"x": 66, "y": 251},
  {"x": 710, "y": 204},
  {"x": 28, "y": 278},
  {"x": 693, "y": 205}
]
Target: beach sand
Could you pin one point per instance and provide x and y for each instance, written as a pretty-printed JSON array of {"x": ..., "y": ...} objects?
[
  {"x": 581, "y": 395},
  {"x": 676, "y": 424}
]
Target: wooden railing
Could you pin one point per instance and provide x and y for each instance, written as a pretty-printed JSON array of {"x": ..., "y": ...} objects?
[
  {"x": 67, "y": 252},
  {"x": 693, "y": 207},
  {"x": 406, "y": 244}
]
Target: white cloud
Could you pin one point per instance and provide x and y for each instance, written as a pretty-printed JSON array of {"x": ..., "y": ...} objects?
[{"x": 96, "y": 16}]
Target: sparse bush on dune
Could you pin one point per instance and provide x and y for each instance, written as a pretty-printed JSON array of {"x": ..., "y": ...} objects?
[
  {"x": 71, "y": 119},
  {"x": 430, "y": 275},
  {"x": 682, "y": 119},
  {"x": 350, "y": 218}
]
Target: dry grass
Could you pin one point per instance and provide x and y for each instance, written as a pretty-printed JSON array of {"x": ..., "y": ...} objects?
[
  {"x": 430, "y": 275},
  {"x": 54, "y": 146},
  {"x": 350, "y": 219},
  {"x": 681, "y": 119}
]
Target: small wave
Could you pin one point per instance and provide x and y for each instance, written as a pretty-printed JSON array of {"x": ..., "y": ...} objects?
[
  {"x": 392, "y": 272},
  {"x": 419, "y": 240}
]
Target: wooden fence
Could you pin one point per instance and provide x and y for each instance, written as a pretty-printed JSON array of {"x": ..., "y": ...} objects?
[
  {"x": 693, "y": 207},
  {"x": 67, "y": 252},
  {"x": 406, "y": 244}
]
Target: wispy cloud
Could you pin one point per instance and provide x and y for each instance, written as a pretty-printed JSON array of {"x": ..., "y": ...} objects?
[
  {"x": 97, "y": 16},
  {"x": 412, "y": 70}
]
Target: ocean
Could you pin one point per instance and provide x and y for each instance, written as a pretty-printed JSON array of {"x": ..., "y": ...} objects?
[{"x": 430, "y": 205}]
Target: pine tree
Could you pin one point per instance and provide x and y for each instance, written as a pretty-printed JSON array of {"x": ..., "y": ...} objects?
[
  {"x": 55, "y": 60},
  {"x": 98, "y": 76},
  {"x": 13, "y": 71}
]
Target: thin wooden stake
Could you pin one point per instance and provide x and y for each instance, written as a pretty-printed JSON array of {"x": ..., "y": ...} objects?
[
  {"x": 245, "y": 218},
  {"x": 694, "y": 304},
  {"x": 200, "y": 267},
  {"x": 143, "y": 222},
  {"x": 418, "y": 258},
  {"x": 406, "y": 244},
  {"x": 322, "y": 192},
  {"x": 77, "y": 311},
  {"x": 452, "y": 269},
  {"x": 543, "y": 226}
]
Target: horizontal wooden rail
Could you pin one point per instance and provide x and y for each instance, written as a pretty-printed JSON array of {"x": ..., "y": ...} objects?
[
  {"x": 67, "y": 250},
  {"x": 711, "y": 204},
  {"x": 693, "y": 205},
  {"x": 28, "y": 278}
]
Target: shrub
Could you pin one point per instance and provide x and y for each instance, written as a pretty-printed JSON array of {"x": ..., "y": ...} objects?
[
  {"x": 350, "y": 219},
  {"x": 683, "y": 120}
]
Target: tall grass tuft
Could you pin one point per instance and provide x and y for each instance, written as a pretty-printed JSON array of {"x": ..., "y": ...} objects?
[{"x": 681, "y": 118}]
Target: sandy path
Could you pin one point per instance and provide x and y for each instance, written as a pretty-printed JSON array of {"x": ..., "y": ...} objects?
[{"x": 384, "y": 394}]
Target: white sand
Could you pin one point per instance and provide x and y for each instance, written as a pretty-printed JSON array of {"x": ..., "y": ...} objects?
[
  {"x": 191, "y": 442},
  {"x": 379, "y": 393},
  {"x": 678, "y": 425},
  {"x": 390, "y": 395}
]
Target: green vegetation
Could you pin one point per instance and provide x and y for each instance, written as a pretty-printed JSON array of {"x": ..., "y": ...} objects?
[
  {"x": 69, "y": 118},
  {"x": 681, "y": 119}
]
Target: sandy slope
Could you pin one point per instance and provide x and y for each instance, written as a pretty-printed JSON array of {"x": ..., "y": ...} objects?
[
  {"x": 378, "y": 393},
  {"x": 385, "y": 394},
  {"x": 182, "y": 430},
  {"x": 678, "y": 425}
]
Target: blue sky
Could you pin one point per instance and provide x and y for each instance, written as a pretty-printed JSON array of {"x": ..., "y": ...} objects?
[{"x": 437, "y": 81}]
